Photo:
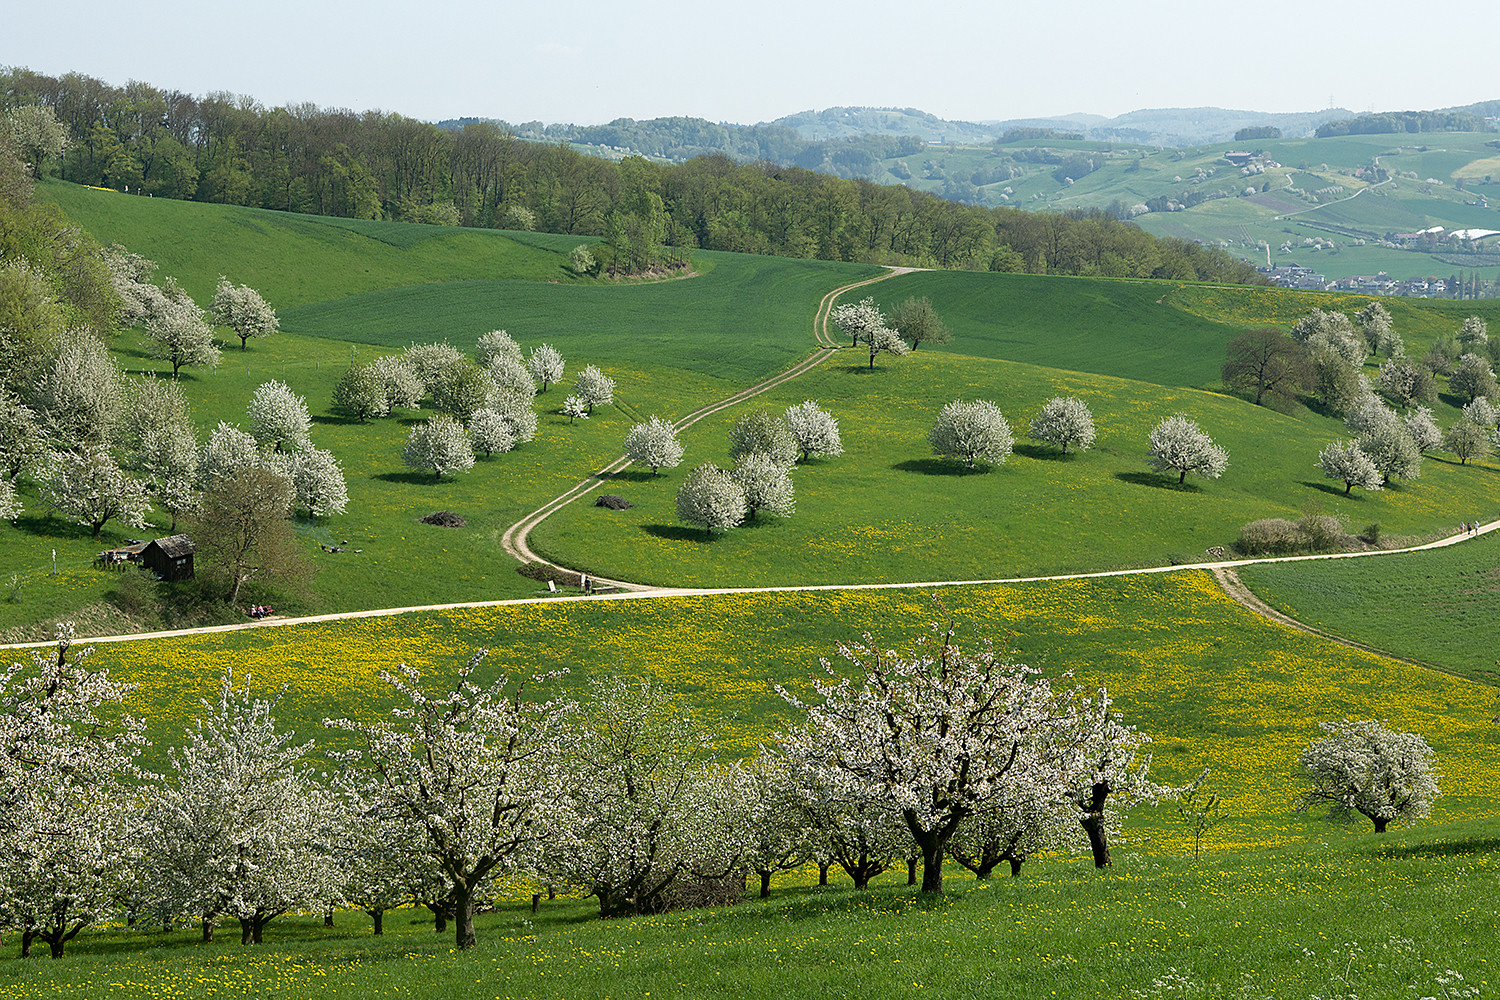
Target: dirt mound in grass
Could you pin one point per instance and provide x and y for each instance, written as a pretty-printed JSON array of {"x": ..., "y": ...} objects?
[
  {"x": 444, "y": 519},
  {"x": 613, "y": 502}
]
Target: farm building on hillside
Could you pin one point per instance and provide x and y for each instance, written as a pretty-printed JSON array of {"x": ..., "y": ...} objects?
[{"x": 170, "y": 558}]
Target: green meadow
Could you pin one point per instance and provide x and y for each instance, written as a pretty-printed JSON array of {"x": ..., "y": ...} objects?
[{"x": 1280, "y": 904}]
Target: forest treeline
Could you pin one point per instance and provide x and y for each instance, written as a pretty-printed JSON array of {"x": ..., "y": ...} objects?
[
  {"x": 1396, "y": 122},
  {"x": 371, "y": 165}
]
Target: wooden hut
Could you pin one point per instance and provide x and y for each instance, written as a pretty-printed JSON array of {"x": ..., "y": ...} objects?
[{"x": 170, "y": 558}]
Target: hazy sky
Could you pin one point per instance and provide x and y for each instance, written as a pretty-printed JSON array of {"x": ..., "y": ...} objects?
[{"x": 589, "y": 61}]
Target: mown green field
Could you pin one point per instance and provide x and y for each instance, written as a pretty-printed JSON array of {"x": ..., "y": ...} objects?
[{"x": 1438, "y": 607}]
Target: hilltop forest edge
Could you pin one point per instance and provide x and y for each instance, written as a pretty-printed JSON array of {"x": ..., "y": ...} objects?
[{"x": 227, "y": 149}]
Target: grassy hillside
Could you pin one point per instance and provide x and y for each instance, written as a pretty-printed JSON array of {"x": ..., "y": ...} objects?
[
  {"x": 1337, "y": 910},
  {"x": 294, "y": 259},
  {"x": 1438, "y": 607},
  {"x": 1451, "y": 171},
  {"x": 1277, "y": 906}
]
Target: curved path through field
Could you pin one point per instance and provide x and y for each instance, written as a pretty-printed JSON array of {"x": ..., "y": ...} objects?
[{"x": 515, "y": 540}]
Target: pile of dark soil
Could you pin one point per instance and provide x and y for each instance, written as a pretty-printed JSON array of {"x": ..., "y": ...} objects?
[
  {"x": 444, "y": 519},
  {"x": 613, "y": 502}
]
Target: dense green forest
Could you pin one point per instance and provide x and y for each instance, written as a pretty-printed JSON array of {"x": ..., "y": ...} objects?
[
  {"x": 228, "y": 149},
  {"x": 1396, "y": 122}
]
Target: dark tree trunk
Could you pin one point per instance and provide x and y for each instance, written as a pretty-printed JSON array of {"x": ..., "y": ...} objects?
[
  {"x": 378, "y": 916},
  {"x": 911, "y": 871},
  {"x": 1015, "y": 866},
  {"x": 1380, "y": 823},
  {"x": 27, "y": 936},
  {"x": 246, "y": 935},
  {"x": 1093, "y": 824},
  {"x": 823, "y": 873},
  {"x": 765, "y": 885},
  {"x": 208, "y": 930},
  {"x": 328, "y": 917},
  {"x": 258, "y": 927},
  {"x": 55, "y": 943},
  {"x": 536, "y": 901},
  {"x": 1182, "y": 478},
  {"x": 463, "y": 917}
]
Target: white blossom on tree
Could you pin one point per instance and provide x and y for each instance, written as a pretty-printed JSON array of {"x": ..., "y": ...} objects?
[
  {"x": 595, "y": 388},
  {"x": 318, "y": 483},
  {"x": 654, "y": 443},
  {"x": 885, "y": 339},
  {"x": 574, "y": 408},
  {"x": 428, "y": 361},
  {"x": 1474, "y": 333},
  {"x": 974, "y": 431},
  {"x": 765, "y": 433},
  {"x": 766, "y": 484},
  {"x": 67, "y": 780},
  {"x": 490, "y": 432},
  {"x": 88, "y": 487},
  {"x": 462, "y": 388},
  {"x": 35, "y": 134},
  {"x": 237, "y": 828},
  {"x": 441, "y": 444},
  {"x": 1406, "y": 382},
  {"x": 856, "y": 825},
  {"x": 22, "y": 445},
  {"x": 1388, "y": 443},
  {"x": 278, "y": 417},
  {"x": 1472, "y": 378},
  {"x": 1064, "y": 420},
  {"x": 242, "y": 309},
  {"x": 936, "y": 730},
  {"x": 496, "y": 344},
  {"x": 1481, "y": 412},
  {"x": 511, "y": 375},
  {"x": 1368, "y": 768},
  {"x": 1379, "y": 330},
  {"x": 636, "y": 769},
  {"x": 711, "y": 498},
  {"x": 362, "y": 393},
  {"x": 1423, "y": 429},
  {"x": 1344, "y": 461},
  {"x": 228, "y": 450},
  {"x": 10, "y": 504},
  {"x": 78, "y": 395},
  {"x": 814, "y": 429},
  {"x": 858, "y": 320},
  {"x": 130, "y": 276},
  {"x": 471, "y": 772},
  {"x": 178, "y": 333},
  {"x": 546, "y": 365},
  {"x": 777, "y": 836},
  {"x": 1179, "y": 445},
  {"x": 403, "y": 382},
  {"x": 518, "y": 412}
]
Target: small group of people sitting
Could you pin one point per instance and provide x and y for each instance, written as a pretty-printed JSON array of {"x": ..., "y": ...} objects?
[{"x": 261, "y": 610}]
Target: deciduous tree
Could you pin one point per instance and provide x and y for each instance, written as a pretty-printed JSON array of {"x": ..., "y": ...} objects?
[
  {"x": 318, "y": 483},
  {"x": 242, "y": 309},
  {"x": 974, "y": 431},
  {"x": 814, "y": 429},
  {"x": 490, "y": 432},
  {"x": 88, "y": 487},
  {"x": 711, "y": 498},
  {"x": 1466, "y": 440},
  {"x": 1179, "y": 445},
  {"x": 441, "y": 444},
  {"x": 654, "y": 443},
  {"x": 546, "y": 365},
  {"x": 178, "y": 333},
  {"x": 1064, "y": 420},
  {"x": 1344, "y": 461},
  {"x": 917, "y": 322},
  {"x": 362, "y": 393},
  {"x": 471, "y": 771},
  {"x": 595, "y": 388},
  {"x": 766, "y": 484},
  {"x": 1266, "y": 360},
  {"x": 764, "y": 432},
  {"x": 278, "y": 417},
  {"x": 243, "y": 529},
  {"x": 1368, "y": 768}
]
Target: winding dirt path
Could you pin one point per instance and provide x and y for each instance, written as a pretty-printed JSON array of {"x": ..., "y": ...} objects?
[{"x": 515, "y": 541}]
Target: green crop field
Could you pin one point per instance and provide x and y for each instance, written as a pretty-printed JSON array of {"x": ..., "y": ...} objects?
[
  {"x": 1281, "y": 904},
  {"x": 1436, "y": 607}
]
